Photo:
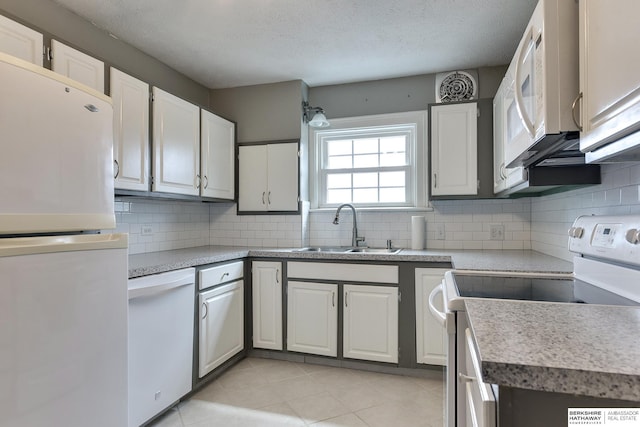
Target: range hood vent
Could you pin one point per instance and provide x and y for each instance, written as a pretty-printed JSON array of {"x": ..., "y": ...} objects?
[{"x": 544, "y": 180}]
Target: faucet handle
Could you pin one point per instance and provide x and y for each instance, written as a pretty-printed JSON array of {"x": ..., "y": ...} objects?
[{"x": 359, "y": 239}]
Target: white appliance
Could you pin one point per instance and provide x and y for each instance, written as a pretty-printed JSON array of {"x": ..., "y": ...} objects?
[
  {"x": 160, "y": 342},
  {"x": 63, "y": 297},
  {"x": 606, "y": 271},
  {"x": 543, "y": 82}
]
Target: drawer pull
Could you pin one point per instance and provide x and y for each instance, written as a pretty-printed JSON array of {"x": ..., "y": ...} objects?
[
  {"x": 205, "y": 309},
  {"x": 223, "y": 276}
]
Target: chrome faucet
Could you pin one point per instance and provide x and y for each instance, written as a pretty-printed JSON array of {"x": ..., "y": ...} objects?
[{"x": 355, "y": 239}]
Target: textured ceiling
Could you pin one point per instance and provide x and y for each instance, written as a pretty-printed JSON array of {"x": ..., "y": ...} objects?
[{"x": 229, "y": 43}]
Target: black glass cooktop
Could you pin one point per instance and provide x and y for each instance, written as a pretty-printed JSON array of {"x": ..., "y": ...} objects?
[{"x": 536, "y": 289}]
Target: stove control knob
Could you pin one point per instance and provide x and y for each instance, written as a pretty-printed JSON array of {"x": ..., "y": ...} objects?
[
  {"x": 576, "y": 232},
  {"x": 633, "y": 236}
]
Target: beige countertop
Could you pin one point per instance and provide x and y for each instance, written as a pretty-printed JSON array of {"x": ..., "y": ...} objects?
[
  {"x": 582, "y": 349},
  {"x": 494, "y": 260}
]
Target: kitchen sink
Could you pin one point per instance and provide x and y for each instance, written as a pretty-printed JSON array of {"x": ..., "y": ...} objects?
[
  {"x": 324, "y": 249},
  {"x": 374, "y": 250},
  {"x": 342, "y": 249}
]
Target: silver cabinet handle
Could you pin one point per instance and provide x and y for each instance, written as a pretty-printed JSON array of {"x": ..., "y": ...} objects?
[
  {"x": 263, "y": 194},
  {"x": 198, "y": 181},
  {"x": 333, "y": 299},
  {"x": 205, "y": 308},
  {"x": 573, "y": 111},
  {"x": 277, "y": 275},
  {"x": 269, "y": 197},
  {"x": 435, "y": 180},
  {"x": 223, "y": 276},
  {"x": 206, "y": 181},
  {"x": 117, "y": 168},
  {"x": 346, "y": 299}
]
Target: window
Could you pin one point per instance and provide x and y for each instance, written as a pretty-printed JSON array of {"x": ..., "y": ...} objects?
[{"x": 373, "y": 161}]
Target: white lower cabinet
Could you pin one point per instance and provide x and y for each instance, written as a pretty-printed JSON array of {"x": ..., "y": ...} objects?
[
  {"x": 267, "y": 304},
  {"x": 370, "y": 323},
  {"x": 221, "y": 325},
  {"x": 312, "y": 318},
  {"x": 430, "y": 335}
]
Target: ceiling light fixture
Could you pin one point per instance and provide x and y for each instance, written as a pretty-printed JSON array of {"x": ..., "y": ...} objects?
[{"x": 319, "y": 120}]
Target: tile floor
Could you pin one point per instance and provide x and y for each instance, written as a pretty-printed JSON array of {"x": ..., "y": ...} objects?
[{"x": 272, "y": 393}]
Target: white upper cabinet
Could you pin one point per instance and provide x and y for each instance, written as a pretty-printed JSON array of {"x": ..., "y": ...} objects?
[
  {"x": 130, "y": 131},
  {"x": 609, "y": 70},
  {"x": 20, "y": 41},
  {"x": 176, "y": 144},
  {"x": 77, "y": 65},
  {"x": 268, "y": 177},
  {"x": 217, "y": 156},
  {"x": 454, "y": 149}
]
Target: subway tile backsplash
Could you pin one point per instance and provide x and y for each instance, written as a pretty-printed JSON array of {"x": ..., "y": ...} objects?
[{"x": 528, "y": 223}]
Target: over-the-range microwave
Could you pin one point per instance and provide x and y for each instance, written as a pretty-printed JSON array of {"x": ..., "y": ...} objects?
[{"x": 544, "y": 81}]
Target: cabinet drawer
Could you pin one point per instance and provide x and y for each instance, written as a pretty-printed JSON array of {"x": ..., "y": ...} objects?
[
  {"x": 220, "y": 274},
  {"x": 368, "y": 273},
  {"x": 481, "y": 403}
]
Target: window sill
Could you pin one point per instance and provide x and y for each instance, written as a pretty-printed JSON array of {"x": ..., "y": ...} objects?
[{"x": 380, "y": 209}]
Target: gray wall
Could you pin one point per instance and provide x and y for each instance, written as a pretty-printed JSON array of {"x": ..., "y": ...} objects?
[
  {"x": 54, "y": 21},
  {"x": 266, "y": 112},
  {"x": 392, "y": 95}
]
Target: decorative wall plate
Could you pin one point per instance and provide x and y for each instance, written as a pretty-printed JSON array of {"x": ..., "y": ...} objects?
[{"x": 456, "y": 86}]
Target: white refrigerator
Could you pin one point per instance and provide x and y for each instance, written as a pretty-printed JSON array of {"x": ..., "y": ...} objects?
[{"x": 63, "y": 284}]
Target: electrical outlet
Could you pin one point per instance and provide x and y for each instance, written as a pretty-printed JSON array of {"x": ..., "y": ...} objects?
[
  {"x": 439, "y": 231},
  {"x": 147, "y": 230},
  {"x": 496, "y": 232}
]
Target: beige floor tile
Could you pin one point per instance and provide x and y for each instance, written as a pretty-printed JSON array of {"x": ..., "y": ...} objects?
[
  {"x": 398, "y": 414},
  {"x": 284, "y": 413},
  {"x": 348, "y": 420},
  {"x": 171, "y": 418},
  {"x": 339, "y": 377},
  {"x": 245, "y": 397},
  {"x": 241, "y": 378},
  {"x": 317, "y": 408},
  {"x": 296, "y": 388},
  {"x": 194, "y": 411},
  {"x": 279, "y": 372},
  {"x": 358, "y": 396}
]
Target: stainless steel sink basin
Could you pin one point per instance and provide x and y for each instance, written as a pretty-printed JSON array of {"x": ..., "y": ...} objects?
[
  {"x": 375, "y": 250},
  {"x": 342, "y": 249},
  {"x": 324, "y": 249}
]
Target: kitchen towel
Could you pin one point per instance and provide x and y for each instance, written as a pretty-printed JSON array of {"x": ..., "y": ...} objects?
[{"x": 417, "y": 232}]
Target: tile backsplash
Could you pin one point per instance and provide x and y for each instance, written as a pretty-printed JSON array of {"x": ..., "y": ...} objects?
[{"x": 528, "y": 223}]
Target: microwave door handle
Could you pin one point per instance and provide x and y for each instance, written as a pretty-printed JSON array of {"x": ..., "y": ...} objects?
[{"x": 522, "y": 112}]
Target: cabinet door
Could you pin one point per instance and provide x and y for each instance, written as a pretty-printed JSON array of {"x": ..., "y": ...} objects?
[
  {"x": 130, "y": 131},
  {"x": 370, "y": 324},
  {"x": 282, "y": 160},
  {"x": 221, "y": 325},
  {"x": 312, "y": 318},
  {"x": 20, "y": 41},
  {"x": 77, "y": 65},
  {"x": 176, "y": 144},
  {"x": 430, "y": 335},
  {"x": 217, "y": 141},
  {"x": 252, "y": 177},
  {"x": 609, "y": 78},
  {"x": 267, "y": 304},
  {"x": 454, "y": 157}
]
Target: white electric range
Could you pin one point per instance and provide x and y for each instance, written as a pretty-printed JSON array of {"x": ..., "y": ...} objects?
[{"x": 606, "y": 271}]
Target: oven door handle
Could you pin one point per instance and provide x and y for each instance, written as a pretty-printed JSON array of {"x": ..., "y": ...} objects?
[{"x": 439, "y": 315}]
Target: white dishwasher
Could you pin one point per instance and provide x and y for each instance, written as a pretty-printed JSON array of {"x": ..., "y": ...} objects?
[{"x": 161, "y": 315}]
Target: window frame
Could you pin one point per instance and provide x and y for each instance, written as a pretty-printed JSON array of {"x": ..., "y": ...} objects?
[{"x": 413, "y": 124}]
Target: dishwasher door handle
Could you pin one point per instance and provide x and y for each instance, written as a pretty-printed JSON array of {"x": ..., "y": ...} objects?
[
  {"x": 150, "y": 290},
  {"x": 439, "y": 315}
]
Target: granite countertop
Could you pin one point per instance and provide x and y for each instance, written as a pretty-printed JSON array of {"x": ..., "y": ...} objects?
[
  {"x": 494, "y": 260},
  {"x": 582, "y": 349}
]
